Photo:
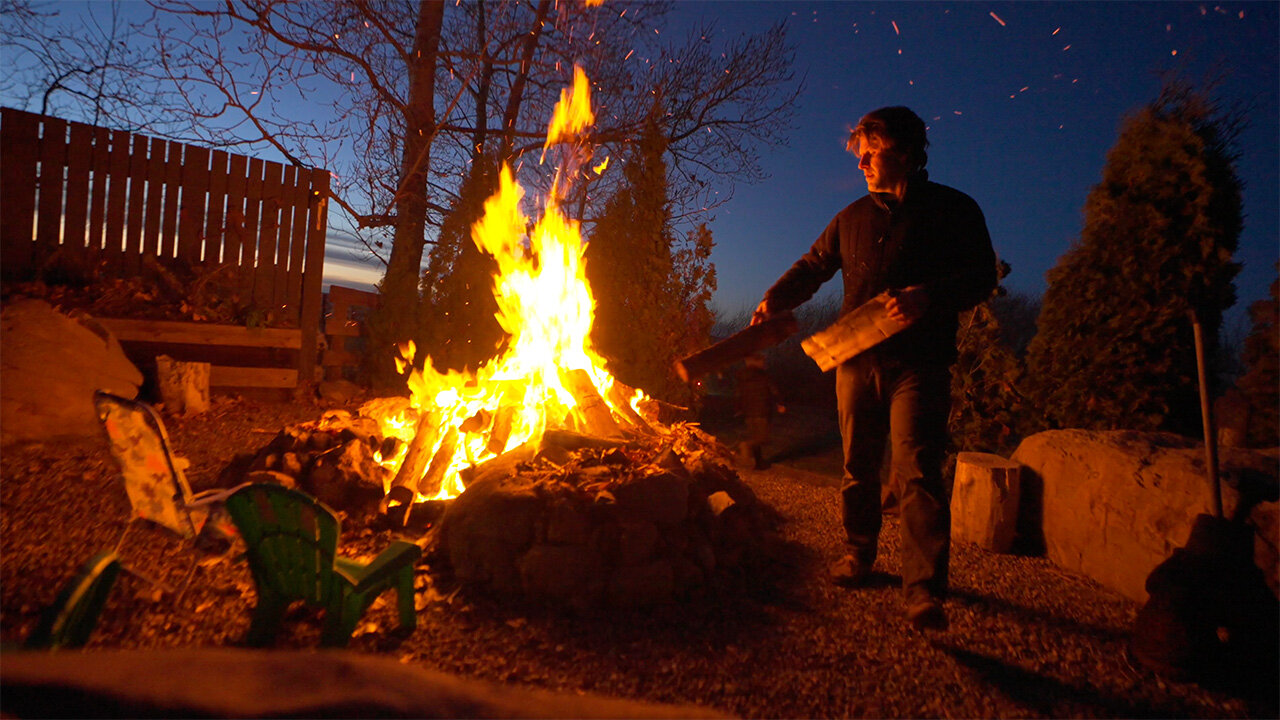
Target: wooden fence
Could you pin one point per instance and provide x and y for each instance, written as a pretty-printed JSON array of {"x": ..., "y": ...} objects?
[{"x": 116, "y": 197}]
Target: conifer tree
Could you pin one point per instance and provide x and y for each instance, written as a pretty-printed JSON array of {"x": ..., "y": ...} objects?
[
  {"x": 460, "y": 329},
  {"x": 1114, "y": 346},
  {"x": 1261, "y": 380},
  {"x": 651, "y": 300}
]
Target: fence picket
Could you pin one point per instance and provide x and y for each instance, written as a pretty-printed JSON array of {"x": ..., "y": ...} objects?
[
  {"x": 19, "y": 148},
  {"x": 155, "y": 197},
  {"x": 99, "y": 167},
  {"x": 135, "y": 208},
  {"x": 79, "y": 158},
  {"x": 269, "y": 224},
  {"x": 214, "y": 236},
  {"x": 53, "y": 161}
]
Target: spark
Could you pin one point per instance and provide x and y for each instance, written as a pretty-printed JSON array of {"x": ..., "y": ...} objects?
[
  {"x": 1055, "y": 31},
  {"x": 629, "y": 54},
  {"x": 997, "y": 18},
  {"x": 894, "y": 23},
  {"x": 1175, "y": 52},
  {"x": 957, "y": 112},
  {"x": 1068, "y": 47}
]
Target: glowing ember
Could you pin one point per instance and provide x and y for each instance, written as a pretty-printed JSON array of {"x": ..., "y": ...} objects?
[{"x": 547, "y": 375}]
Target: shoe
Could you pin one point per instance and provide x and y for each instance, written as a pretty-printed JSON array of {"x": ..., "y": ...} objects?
[
  {"x": 927, "y": 614},
  {"x": 848, "y": 571}
]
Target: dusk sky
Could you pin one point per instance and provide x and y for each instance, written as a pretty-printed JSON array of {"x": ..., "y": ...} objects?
[{"x": 1023, "y": 101}]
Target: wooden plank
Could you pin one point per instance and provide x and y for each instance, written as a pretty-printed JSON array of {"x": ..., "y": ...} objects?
[
  {"x": 237, "y": 180},
  {"x": 213, "y": 229},
  {"x": 49, "y": 184},
  {"x": 252, "y": 211},
  {"x": 173, "y": 331},
  {"x": 225, "y": 376},
  {"x": 280, "y": 276},
  {"x": 155, "y": 197},
  {"x": 313, "y": 272},
  {"x": 298, "y": 243},
  {"x": 134, "y": 214},
  {"x": 79, "y": 158},
  {"x": 19, "y": 143},
  {"x": 100, "y": 168},
  {"x": 268, "y": 229},
  {"x": 117, "y": 183},
  {"x": 195, "y": 183},
  {"x": 172, "y": 200}
]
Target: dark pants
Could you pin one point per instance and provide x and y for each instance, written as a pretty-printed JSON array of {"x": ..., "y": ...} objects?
[{"x": 877, "y": 397}]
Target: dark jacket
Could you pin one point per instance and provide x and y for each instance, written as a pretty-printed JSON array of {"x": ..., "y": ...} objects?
[{"x": 936, "y": 237}]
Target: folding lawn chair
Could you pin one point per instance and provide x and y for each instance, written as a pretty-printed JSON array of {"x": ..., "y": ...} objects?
[
  {"x": 69, "y": 621},
  {"x": 291, "y": 542},
  {"x": 153, "y": 478}
]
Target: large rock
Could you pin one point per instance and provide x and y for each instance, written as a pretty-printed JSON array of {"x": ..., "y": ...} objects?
[
  {"x": 234, "y": 683},
  {"x": 1113, "y": 505},
  {"x": 50, "y": 366}
]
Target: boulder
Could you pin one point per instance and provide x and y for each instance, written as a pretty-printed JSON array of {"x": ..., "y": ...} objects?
[
  {"x": 1113, "y": 505},
  {"x": 237, "y": 683},
  {"x": 50, "y": 367}
]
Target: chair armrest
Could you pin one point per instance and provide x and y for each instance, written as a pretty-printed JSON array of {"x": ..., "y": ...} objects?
[
  {"x": 397, "y": 555},
  {"x": 205, "y": 497}
]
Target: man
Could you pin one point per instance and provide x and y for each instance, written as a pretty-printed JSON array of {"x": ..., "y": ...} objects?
[{"x": 928, "y": 245}]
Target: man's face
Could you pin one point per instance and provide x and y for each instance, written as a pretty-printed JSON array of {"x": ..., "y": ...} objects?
[{"x": 885, "y": 167}]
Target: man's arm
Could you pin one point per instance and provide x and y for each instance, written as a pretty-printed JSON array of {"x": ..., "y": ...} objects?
[{"x": 805, "y": 276}]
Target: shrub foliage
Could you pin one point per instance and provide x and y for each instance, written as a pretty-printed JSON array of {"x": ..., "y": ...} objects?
[{"x": 1114, "y": 347}]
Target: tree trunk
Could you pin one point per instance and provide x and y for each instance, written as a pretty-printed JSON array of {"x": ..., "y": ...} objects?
[
  {"x": 517, "y": 88},
  {"x": 400, "y": 284}
]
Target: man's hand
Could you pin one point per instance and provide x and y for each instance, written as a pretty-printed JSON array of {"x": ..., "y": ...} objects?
[
  {"x": 908, "y": 304},
  {"x": 761, "y": 313}
]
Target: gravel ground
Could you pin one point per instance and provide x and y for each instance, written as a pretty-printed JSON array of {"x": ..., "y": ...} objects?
[{"x": 774, "y": 640}]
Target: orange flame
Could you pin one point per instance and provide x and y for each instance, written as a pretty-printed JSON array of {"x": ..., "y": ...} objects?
[{"x": 548, "y": 376}]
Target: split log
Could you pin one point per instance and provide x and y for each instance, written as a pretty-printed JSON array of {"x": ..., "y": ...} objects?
[
  {"x": 592, "y": 411},
  {"x": 184, "y": 386},
  {"x": 429, "y": 485},
  {"x": 745, "y": 342},
  {"x": 865, "y": 327},
  {"x": 501, "y": 466},
  {"x": 569, "y": 440},
  {"x": 500, "y": 430},
  {"x": 413, "y": 467},
  {"x": 984, "y": 500},
  {"x": 620, "y": 395}
]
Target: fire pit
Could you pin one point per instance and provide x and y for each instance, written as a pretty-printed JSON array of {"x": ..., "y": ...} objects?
[{"x": 562, "y": 483}]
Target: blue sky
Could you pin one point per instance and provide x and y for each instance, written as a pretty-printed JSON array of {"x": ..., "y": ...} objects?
[{"x": 1023, "y": 101}]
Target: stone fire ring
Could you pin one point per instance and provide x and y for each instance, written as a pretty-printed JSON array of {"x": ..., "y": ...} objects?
[{"x": 605, "y": 531}]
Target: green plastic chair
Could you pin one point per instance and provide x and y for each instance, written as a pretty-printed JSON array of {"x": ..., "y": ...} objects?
[
  {"x": 69, "y": 621},
  {"x": 291, "y": 542}
]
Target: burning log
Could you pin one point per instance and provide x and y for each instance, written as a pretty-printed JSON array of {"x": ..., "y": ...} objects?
[
  {"x": 429, "y": 485},
  {"x": 415, "y": 460},
  {"x": 500, "y": 431},
  {"x": 592, "y": 409},
  {"x": 753, "y": 339},
  {"x": 620, "y": 394}
]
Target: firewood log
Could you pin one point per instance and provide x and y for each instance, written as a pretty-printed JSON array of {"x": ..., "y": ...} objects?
[
  {"x": 592, "y": 412},
  {"x": 745, "y": 342},
  {"x": 429, "y": 485},
  {"x": 415, "y": 459}
]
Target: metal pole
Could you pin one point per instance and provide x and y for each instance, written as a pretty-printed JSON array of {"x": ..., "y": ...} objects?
[{"x": 1206, "y": 418}]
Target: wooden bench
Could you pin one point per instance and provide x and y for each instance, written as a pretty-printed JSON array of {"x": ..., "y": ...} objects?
[{"x": 240, "y": 357}]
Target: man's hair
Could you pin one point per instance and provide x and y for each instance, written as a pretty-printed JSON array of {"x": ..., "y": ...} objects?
[{"x": 902, "y": 128}]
